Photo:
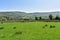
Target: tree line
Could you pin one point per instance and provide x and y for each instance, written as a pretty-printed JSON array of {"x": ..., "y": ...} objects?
[{"x": 50, "y": 17}]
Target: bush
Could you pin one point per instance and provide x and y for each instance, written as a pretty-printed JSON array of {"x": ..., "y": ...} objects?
[
  {"x": 43, "y": 26},
  {"x": 52, "y": 26},
  {"x": 14, "y": 27},
  {"x": 18, "y": 32},
  {"x": 46, "y": 25},
  {"x": 1, "y": 28}
]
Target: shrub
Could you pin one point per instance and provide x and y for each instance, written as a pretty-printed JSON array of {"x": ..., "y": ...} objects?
[
  {"x": 14, "y": 27},
  {"x": 46, "y": 25},
  {"x": 52, "y": 26},
  {"x": 1, "y": 28},
  {"x": 43, "y": 26},
  {"x": 18, "y": 32}
]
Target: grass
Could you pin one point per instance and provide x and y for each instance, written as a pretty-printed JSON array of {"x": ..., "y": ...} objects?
[{"x": 30, "y": 31}]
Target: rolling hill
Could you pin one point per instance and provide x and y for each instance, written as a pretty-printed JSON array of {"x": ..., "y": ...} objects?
[{"x": 18, "y": 14}]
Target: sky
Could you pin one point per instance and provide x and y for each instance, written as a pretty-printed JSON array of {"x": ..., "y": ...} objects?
[{"x": 30, "y": 5}]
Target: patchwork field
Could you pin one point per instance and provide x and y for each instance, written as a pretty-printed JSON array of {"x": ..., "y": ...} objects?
[{"x": 30, "y": 31}]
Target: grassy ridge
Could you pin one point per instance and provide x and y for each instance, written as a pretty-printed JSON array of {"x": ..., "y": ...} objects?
[{"x": 30, "y": 31}]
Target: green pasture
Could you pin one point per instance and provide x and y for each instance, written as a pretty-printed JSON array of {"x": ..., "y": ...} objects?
[{"x": 29, "y": 31}]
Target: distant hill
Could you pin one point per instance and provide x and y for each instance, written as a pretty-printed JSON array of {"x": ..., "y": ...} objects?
[{"x": 18, "y": 14}]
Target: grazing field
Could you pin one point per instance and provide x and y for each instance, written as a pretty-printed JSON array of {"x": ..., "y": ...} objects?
[{"x": 30, "y": 31}]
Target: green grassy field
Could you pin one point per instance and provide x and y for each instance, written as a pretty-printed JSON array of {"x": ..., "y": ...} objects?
[{"x": 29, "y": 31}]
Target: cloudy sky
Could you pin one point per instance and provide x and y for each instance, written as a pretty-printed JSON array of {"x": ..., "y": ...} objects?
[{"x": 30, "y": 5}]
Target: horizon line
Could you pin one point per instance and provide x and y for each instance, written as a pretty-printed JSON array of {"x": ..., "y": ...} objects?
[{"x": 27, "y": 11}]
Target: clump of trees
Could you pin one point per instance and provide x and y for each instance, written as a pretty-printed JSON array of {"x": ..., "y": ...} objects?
[
  {"x": 50, "y": 17},
  {"x": 38, "y": 18},
  {"x": 55, "y": 18}
]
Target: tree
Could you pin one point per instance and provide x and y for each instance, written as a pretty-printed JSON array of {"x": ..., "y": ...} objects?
[
  {"x": 57, "y": 17},
  {"x": 3, "y": 19},
  {"x": 50, "y": 17},
  {"x": 36, "y": 18},
  {"x": 40, "y": 18}
]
